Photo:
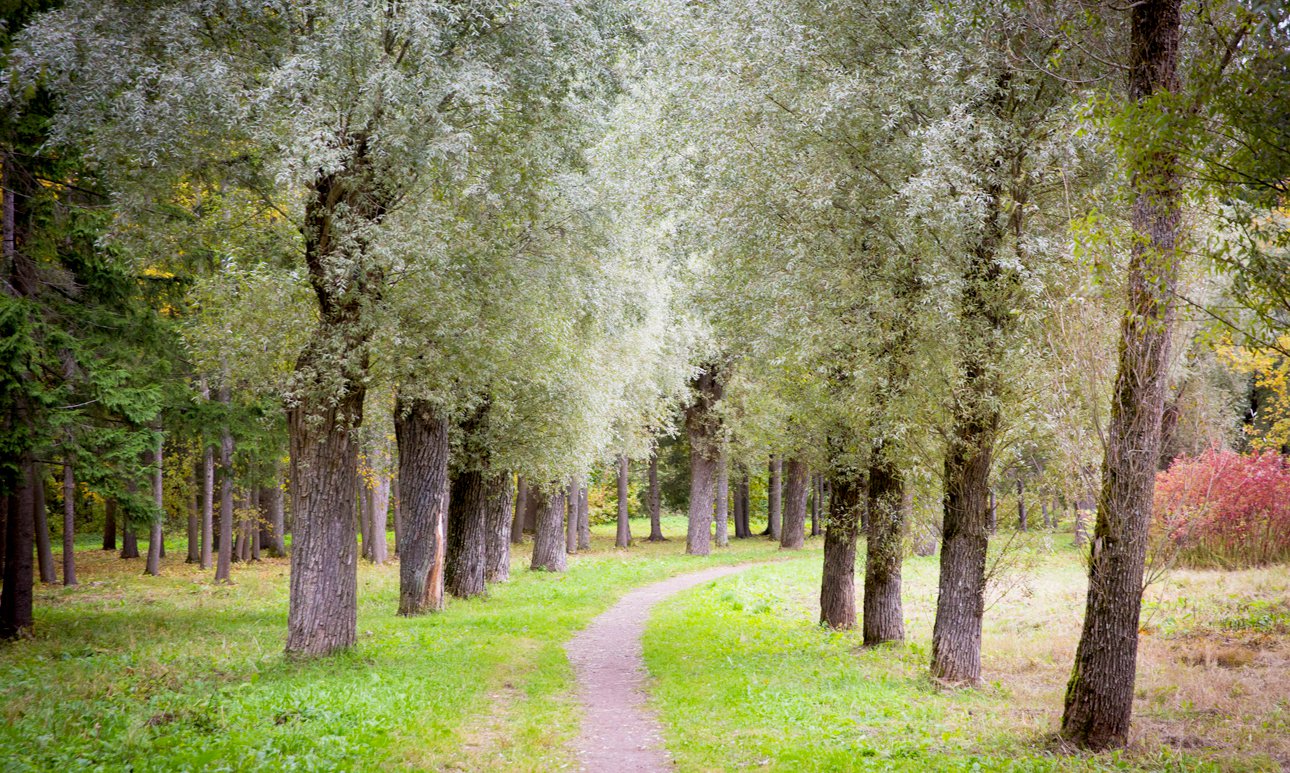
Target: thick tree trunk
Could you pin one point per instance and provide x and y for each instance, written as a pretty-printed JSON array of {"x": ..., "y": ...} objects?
[
  {"x": 624, "y": 536},
  {"x": 743, "y": 529},
  {"x": 774, "y": 498},
  {"x": 521, "y": 505},
  {"x": 152, "y": 566},
  {"x": 571, "y": 517},
  {"x": 423, "y": 483},
  {"x": 467, "y": 551},
  {"x": 548, "y": 542},
  {"x": 884, "y": 619},
  {"x": 69, "y": 525},
  {"x": 702, "y": 427},
  {"x": 723, "y": 501},
  {"x": 960, "y": 605},
  {"x": 1099, "y": 696},
  {"x": 322, "y": 612},
  {"x": 584, "y": 517},
  {"x": 498, "y": 497},
  {"x": 655, "y": 502},
  {"x": 793, "y": 532},
  {"x": 44, "y": 550},
  {"x": 20, "y": 533},
  {"x": 109, "y": 525},
  {"x": 838, "y": 584}
]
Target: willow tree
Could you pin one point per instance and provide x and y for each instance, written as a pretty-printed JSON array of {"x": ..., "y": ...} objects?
[{"x": 340, "y": 112}]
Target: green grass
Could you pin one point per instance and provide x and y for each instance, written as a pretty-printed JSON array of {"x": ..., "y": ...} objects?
[
  {"x": 745, "y": 678},
  {"x": 176, "y": 673}
]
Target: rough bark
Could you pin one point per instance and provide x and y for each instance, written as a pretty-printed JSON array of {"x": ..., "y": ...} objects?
[
  {"x": 322, "y": 612},
  {"x": 466, "y": 549},
  {"x": 521, "y": 505},
  {"x": 152, "y": 566},
  {"x": 702, "y": 428},
  {"x": 623, "y": 538},
  {"x": 44, "y": 550},
  {"x": 498, "y": 497},
  {"x": 774, "y": 498},
  {"x": 793, "y": 530},
  {"x": 548, "y": 537},
  {"x": 723, "y": 502},
  {"x": 655, "y": 502},
  {"x": 423, "y": 483},
  {"x": 1099, "y": 696},
  {"x": 883, "y": 614},
  {"x": 69, "y": 525},
  {"x": 20, "y": 532},
  {"x": 841, "y": 530}
]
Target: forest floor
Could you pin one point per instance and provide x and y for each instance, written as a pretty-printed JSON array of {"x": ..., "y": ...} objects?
[{"x": 175, "y": 672}]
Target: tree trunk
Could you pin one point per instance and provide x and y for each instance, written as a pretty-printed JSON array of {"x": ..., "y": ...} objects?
[
  {"x": 467, "y": 551},
  {"x": 960, "y": 605},
  {"x": 69, "y": 525},
  {"x": 624, "y": 537},
  {"x": 883, "y": 614},
  {"x": 193, "y": 534},
  {"x": 498, "y": 497},
  {"x": 225, "y": 496},
  {"x": 20, "y": 533},
  {"x": 1099, "y": 696},
  {"x": 548, "y": 542},
  {"x": 584, "y": 517},
  {"x": 816, "y": 491},
  {"x": 521, "y": 505},
  {"x": 152, "y": 566},
  {"x": 655, "y": 502},
  {"x": 322, "y": 612},
  {"x": 774, "y": 497},
  {"x": 531, "y": 512},
  {"x": 129, "y": 542},
  {"x": 109, "y": 525},
  {"x": 277, "y": 521},
  {"x": 44, "y": 550},
  {"x": 838, "y": 584},
  {"x": 702, "y": 427},
  {"x": 1043, "y": 509},
  {"x": 423, "y": 482},
  {"x": 380, "y": 499},
  {"x": 398, "y": 513},
  {"x": 793, "y": 532},
  {"x": 571, "y": 517},
  {"x": 723, "y": 501},
  {"x": 253, "y": 522},
  {"x": 1021, "y": 506},
  {"x": 743, "y": 500},
  {"x": 364, "y": 519}
]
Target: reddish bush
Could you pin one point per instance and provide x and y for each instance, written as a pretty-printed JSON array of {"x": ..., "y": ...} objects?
[{"x": 1225, "y": 509}]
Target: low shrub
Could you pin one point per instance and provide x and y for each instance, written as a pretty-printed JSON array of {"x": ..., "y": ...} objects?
[{"x": 1224, "y": 509}]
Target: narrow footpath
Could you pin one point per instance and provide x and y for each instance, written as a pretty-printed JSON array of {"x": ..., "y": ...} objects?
[{"x": 620, "y": 733}]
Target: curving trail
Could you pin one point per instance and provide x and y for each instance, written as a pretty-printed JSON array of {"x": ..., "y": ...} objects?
[{"x": 620, "y": 733}]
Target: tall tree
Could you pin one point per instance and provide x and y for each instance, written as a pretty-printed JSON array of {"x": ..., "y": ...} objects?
[
  {"x": 1099, "y": 696},
  {"x": 702, "y": 427},
  {"x": 624, "y": 536}
]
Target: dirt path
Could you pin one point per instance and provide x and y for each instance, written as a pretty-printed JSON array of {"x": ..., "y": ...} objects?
[{"x": 619, "y": 731}]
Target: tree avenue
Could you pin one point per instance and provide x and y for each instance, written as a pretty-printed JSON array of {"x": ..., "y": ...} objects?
[{"x": 427, "y": 302}]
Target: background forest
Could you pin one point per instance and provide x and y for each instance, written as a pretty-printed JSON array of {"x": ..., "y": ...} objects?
[{"x": 406, "y": 337}]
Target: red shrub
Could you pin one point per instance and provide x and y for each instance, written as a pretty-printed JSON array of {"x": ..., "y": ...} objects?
[{"x": 1226, "y": 509}]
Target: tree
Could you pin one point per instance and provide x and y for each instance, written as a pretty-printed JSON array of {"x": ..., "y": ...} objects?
[
  {"x": 1099, "y": 697},
  {"x": 702, "y": 427},
  {"x": 624, "y": 537},
  {"x": 793, "y": 534}
]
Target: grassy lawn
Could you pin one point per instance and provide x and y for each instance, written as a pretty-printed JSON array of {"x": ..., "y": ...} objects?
[
  {"x": 746, "y": 679},
  {"x": 176, "y": 673}
]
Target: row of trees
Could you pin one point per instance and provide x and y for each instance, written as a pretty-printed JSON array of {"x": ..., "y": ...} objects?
[{"x": 453, "y": 245}]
